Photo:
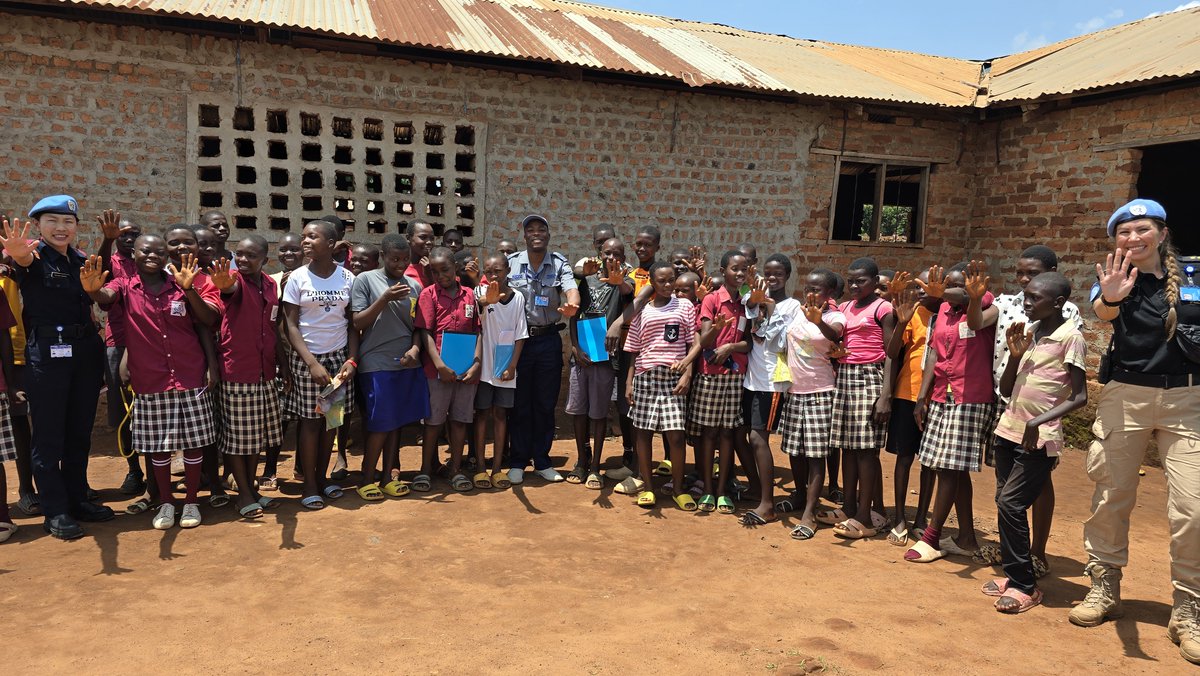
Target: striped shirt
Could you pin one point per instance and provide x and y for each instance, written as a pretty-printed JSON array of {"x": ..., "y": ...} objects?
[
  {"x": 1043, "y": 382},
  {"x": 660, "y": 336}
]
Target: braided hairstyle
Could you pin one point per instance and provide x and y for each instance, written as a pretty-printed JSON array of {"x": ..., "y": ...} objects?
[{"x": 1170, "y": 262}]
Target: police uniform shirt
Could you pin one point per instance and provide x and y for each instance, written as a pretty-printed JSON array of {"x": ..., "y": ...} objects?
[
  {"x": 543, "y": 287},
  {"x": 51, "y": 291}
]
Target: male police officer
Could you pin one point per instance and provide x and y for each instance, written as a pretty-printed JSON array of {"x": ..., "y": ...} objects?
[{"x": 544, "y": 277}]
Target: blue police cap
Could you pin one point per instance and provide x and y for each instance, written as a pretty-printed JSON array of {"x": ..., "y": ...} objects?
[
  {"x": 534, "y": 218},
  {"x": 55, "y": 204},
  {"x": 1134, "y": 210}
]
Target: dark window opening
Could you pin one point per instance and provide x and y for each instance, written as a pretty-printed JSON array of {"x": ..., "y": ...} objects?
[
  {"x": 464, "y": 162},
  {"x": 243, "y": 119},
  {"x": 435, "y": 134},
  {"x": 245, "y": 222},
  {"x": 210, "y": 146},
  {"x": 433, "y": 186},
  {"x": 878, "y": 202},
  {"x": 343, "y": 204},
  {"x": 343, "y": 155},
  {"x": 464, "y": 136},
  {"x": 310, "y": 124},
  {"x": 246, "y": 175},
  {"x": 279, "y": 223},
  {"x": 377, "y": 227},
  {"x": 402, "y": 160},
  {"x": 312, "y": 179},
  {"x": 311, "y": 203},
  {"x": 435, "y": 161},
  {"x": 374, "y": 182},
  {"x": 209, "y": 174},
  {"x": 464, "y": 187},
  {"x": 342, "y": 127},
  {"x": 465, "y": 211},
  {"x": 211, "y": 199},
  {"x": 210, "y": 116},
  {"x": 374, "y": 207},
  {"x": 279, "y": 177},
  {"x": 434, "y": 209},
  {"x": 310, "y": 152},
  {"x": 374, "y": 157},
  {"x": 1167, "y": 177},
  {"x": 466, "y": 230},
  {"x": 373, "y": 129},
  {"x": 246, "y": 200},
  {"x": 277, "y": 121},
  {"x": 405, "y": 207},
  {"x": 404, "y": 184},
  {"x": 402, "y": 133},
  {"x": 279, "y": 202},
  {"x": 343, "y": 181},
  {"x": 277, "y": 150},
  {"x": 244, "y": 147}
]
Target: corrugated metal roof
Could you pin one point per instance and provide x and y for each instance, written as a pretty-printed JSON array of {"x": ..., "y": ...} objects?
[
  {"x": 699, "y": 54},
  {"x": 1156, "y": 48}
]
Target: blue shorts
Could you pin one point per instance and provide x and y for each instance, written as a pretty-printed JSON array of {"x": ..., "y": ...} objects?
[{"x": 393, "y": 399}]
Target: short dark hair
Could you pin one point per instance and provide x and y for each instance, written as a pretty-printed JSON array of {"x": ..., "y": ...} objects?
[
  {"x": 258, "y": 241},
  {"x": 829, "y": 279},
  {"x": 866, "y": 264},
  {"x": 1055, "y": 282},
  {"x": 725, "y": 257},
  {"x": 1042, "y": 253},
  {"x": 393, "y": 242},
  {"x": 782, "y": 260},
  {"x": 327, "y": 229},
  {"x": 659, "y": 265},
  {"x": 688, "y": 276},
  {"x": 452, "y": 231},
  {"x": 496, "y": 255},
  {"x": 887, "y": 273},
  {"x": 652, "y": 231},
  {"x": 440, "y": 252},
  {"x": 603, "y": 228},
  {"x": 412, "y": 228},
  {"x": 338, "y": 224},
  {"x": 839, "y": 285},
  {"x": 463, "y": 255}
]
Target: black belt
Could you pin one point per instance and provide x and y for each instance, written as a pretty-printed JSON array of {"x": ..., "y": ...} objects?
[
  {"x": 66, "y": 331},
  {"x": 545, "y": 330},
  {"x": 1164, "y": 382}
]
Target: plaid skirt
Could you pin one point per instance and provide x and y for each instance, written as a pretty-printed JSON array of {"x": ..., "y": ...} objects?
[
  {"x": 8, "y": 443},
  {"x": 716, "y": 401},
  {"x": 249, "y": 417},
  {"x": 955, "y": 434},
  {"x": 655, "y": 408},
  {"x": 805, "y": 424},
  {"x": 301, "y": 402},
  {"x": 854, "y": 428},
  {"x": 175, "y": 420}
]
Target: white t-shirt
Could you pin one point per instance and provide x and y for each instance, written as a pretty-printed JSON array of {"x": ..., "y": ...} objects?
[
  {"x": 761, "y": 367},
  {"x": 503, "y": 325},
  {"x": 322, "y": 303}
]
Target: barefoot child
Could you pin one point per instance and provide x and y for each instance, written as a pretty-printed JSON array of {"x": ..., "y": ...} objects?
[
  {"x": 956, "y": 390},
  {"x": 662, "y": 336},
  {"x": 1045, "y": 379},
  {"x": 316, "y": 305},
  {"x": 248, "y": 346},
  {"x": 394, "y": 390},
  {"x": 602, "y": 294},
  {"x": 502, "y": 315},
  {"x": 808, "y": 413},
  {"x": 446, "y": 307},
  {"x": 172, "y": 366}
]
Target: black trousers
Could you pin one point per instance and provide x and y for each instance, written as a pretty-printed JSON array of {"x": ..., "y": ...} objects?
[
  {"x": 531, "y": 421},
  {"x": 1020, "y": 477}
]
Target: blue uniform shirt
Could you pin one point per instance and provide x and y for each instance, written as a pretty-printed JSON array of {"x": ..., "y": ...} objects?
[
  {"x": 51, "y": 293},
  {"x": 543, "y": 287}
]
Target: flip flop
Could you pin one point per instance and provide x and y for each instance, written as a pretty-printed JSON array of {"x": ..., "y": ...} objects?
[
  {"x": 685, "y": 502},
  {"x": 995, "y": 587},
  {"x": 1040, "y": 568},
  {"x": 218, "y": 500},
  {"x": 630, "y": 486},
  {"x": 753, "y": 519},
  {"x": 831, "y": 517},
  {"x": 803, "y": 532},
  {"x": 618, "y": 474},
  {"x": 333, "y": 491},
  {"x": 725, "y": 505},
  {"x": 663, "y": 469},
  {"x": 138, "y": 506},
  {"x": 594, "y": 482},
  {"x": 6, "y": 530},
  {"x": 30, "y": 505},
  {"x": 267, "y": 503},
  {"x": 251, "y": 511},
  {"x": 948, "y": 545},
  {"x": 898, "y": 537},
  {"x": 1024, "y": 601},
  {"x": 921, "y": 552},
  {"x": 645, "y": 499},
  {"x": 461, "y": 483},
  {"x": 576, "y": 475},
  {"x": 313, "y": 502},
  {"x": 268, "y": 483},
  {"x": 791, "y": 503},
  {"x": 482, "y": 480},
  {"x": 395, "y": 489},
  {"x": 987, "y": 555},
  {"x": 422, "y": 483},
  {"x": 707, "y": 503},
  {"x": 853, "y": 529},
  {"x": 500, "y": 480},
  {"x": 370, "y": 493}
]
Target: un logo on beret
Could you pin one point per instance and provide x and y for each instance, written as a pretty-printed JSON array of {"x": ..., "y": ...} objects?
[
  {"x": 1138, "y": 210},
  {"x": 72, "y": 206}
]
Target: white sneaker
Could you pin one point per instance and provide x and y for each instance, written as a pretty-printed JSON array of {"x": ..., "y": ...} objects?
[
  {"x": 550, "y": 474},
  {"x": 191, "y": 516},
  {"x": 516, "y": 476},
  {"x": 165, "y": 517}
]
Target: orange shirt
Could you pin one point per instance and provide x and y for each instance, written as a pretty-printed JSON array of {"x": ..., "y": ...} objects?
[{"x": 916, "y": 332}]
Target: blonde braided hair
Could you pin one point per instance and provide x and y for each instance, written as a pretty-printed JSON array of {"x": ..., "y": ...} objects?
[{"x": 1174, "y": 279}]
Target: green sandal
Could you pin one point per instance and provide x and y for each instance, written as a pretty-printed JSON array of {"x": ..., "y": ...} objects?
[
  {"x": 707, "y": 503},
  {"x": 725, "y": 505}
]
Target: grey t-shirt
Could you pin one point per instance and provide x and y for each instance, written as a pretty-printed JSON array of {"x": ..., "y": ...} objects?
[{"x": 386, "y": 341}]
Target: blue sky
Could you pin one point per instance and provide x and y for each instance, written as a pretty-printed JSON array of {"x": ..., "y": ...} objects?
[{"x": 972, "y": 30}]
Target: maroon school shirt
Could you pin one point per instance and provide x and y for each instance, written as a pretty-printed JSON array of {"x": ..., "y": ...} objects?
[
  {"x": 114, "y": 328},
  {"x": 713, "y": 304},
  {"x": 248, "y": 331},
  {"x": 163, "y": 345},
  {"x": 438, "y": 311}
]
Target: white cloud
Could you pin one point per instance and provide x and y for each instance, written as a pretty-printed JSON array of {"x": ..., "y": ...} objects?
[
  {"x": 1097, "y": 22},
  {"x": 1191, "y": 5},
  {"x": 1025, "y": 41}
]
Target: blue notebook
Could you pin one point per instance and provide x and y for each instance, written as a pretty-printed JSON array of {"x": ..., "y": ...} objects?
[
  {"x": 591, "y": 334},
  {"x": 458, "y": 351}
]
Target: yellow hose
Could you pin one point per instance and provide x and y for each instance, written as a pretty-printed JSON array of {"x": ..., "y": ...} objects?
[{"x": 127, "y": 401}]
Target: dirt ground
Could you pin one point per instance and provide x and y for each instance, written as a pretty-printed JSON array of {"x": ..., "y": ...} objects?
[{"x": 552, "y": 579}]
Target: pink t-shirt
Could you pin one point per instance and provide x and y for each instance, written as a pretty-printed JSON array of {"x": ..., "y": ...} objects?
[
  {"x": 660, "y": 336},
  {"x": 807, "y": 353},
  {"x": 964, "y": 357},
  {"x": 864, "y": 331}
]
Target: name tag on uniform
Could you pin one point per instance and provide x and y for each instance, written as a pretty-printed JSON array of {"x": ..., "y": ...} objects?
[
  {"x": 741, "y": 324},
  {"x": 1190, "y": 294},
  {"x": 468, "y": 311},
  {"x": 541, "y": 300},
  {"x": 274, "y": 312},
  {"x": 178, "y": 309},
  {"x": 965, "y": 331},
  {"x": 61, "y": 351}
]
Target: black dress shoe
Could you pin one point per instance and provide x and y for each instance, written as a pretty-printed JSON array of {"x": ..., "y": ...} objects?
[
  {"x": 86, "y": 511},
  {"x": 62, "y": 527},
  {"x": 134, "y": 484}
]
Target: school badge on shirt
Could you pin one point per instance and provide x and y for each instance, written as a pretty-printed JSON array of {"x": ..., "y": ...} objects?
[
  {"x": 178, "y": 308},
  {"x": 671, "y": 333},
  {"x": 468, "y": 311}
]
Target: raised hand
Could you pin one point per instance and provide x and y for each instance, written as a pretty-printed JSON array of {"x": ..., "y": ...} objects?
[
  {"x": 814, "y": 308},
  {"x": 900, "y": 283},
  {"x": 92, "y": 275},
  {"x": 185, "y": 274},
  {"x": 612, "y": 274},
  {"x": 221, "y": 277},
  {"x": 1018, "y": 340},
  {"x": 977, "y": 280},
  {"x": 1117, "y": 276},
  {"x": 591, "y": 266},
  {"x": 751, "y": 274},
  {"x": 758, "y": 292},
  {"x": 491, "y": 295},
  {"x": 110, "y": 223},
  {"x": 699, "y": 259},
  {"x": 472, "y": 270},
  {"x": 703, "y": 288},
  {"x": 906, "y": 306},
  {"x": 568, "y": 310},
  {"x": 720, "y": 321},
  {"x": 15, "y": 239},
  {"x": 936, "y": 286}
]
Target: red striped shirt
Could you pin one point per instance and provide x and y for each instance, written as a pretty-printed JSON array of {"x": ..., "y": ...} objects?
[{"x": 660, "y": 336}]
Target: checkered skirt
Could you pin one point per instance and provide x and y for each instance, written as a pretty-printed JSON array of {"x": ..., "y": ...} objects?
[
  {"x": 655, "y": 408},
  {"x": 8, "y": 444},
  {"x": 301, "y": 402},
  {"x": 806, "y": 423},
  {"x": 858, "y": 387},
  {"x": 716, "y": 401},
  {"x": 249, "y": 417},
  {"x": 175, "y": 420},
  {"x": 955, "y": 434}
]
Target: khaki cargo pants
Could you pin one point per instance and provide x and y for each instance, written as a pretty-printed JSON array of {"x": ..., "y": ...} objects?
[{"x": 1126, "y": 418}]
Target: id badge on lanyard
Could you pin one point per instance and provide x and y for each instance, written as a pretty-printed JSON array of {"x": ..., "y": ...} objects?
[{"x": 61, "y": 350}]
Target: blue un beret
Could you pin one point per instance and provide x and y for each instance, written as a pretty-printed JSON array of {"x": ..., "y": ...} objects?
[
  {"x": 55, "y": 204},
  {"x": 1134, "y": 210}
]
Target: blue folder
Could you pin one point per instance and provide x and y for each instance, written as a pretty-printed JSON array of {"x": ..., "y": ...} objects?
[
  {"x": 591, "y": 334},
  {"x": 458, "y": 351}
]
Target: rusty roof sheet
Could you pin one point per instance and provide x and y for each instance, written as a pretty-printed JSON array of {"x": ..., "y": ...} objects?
[
  {"x": 699, "y": 54},
  {"x": 1156, "y": 48}
]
